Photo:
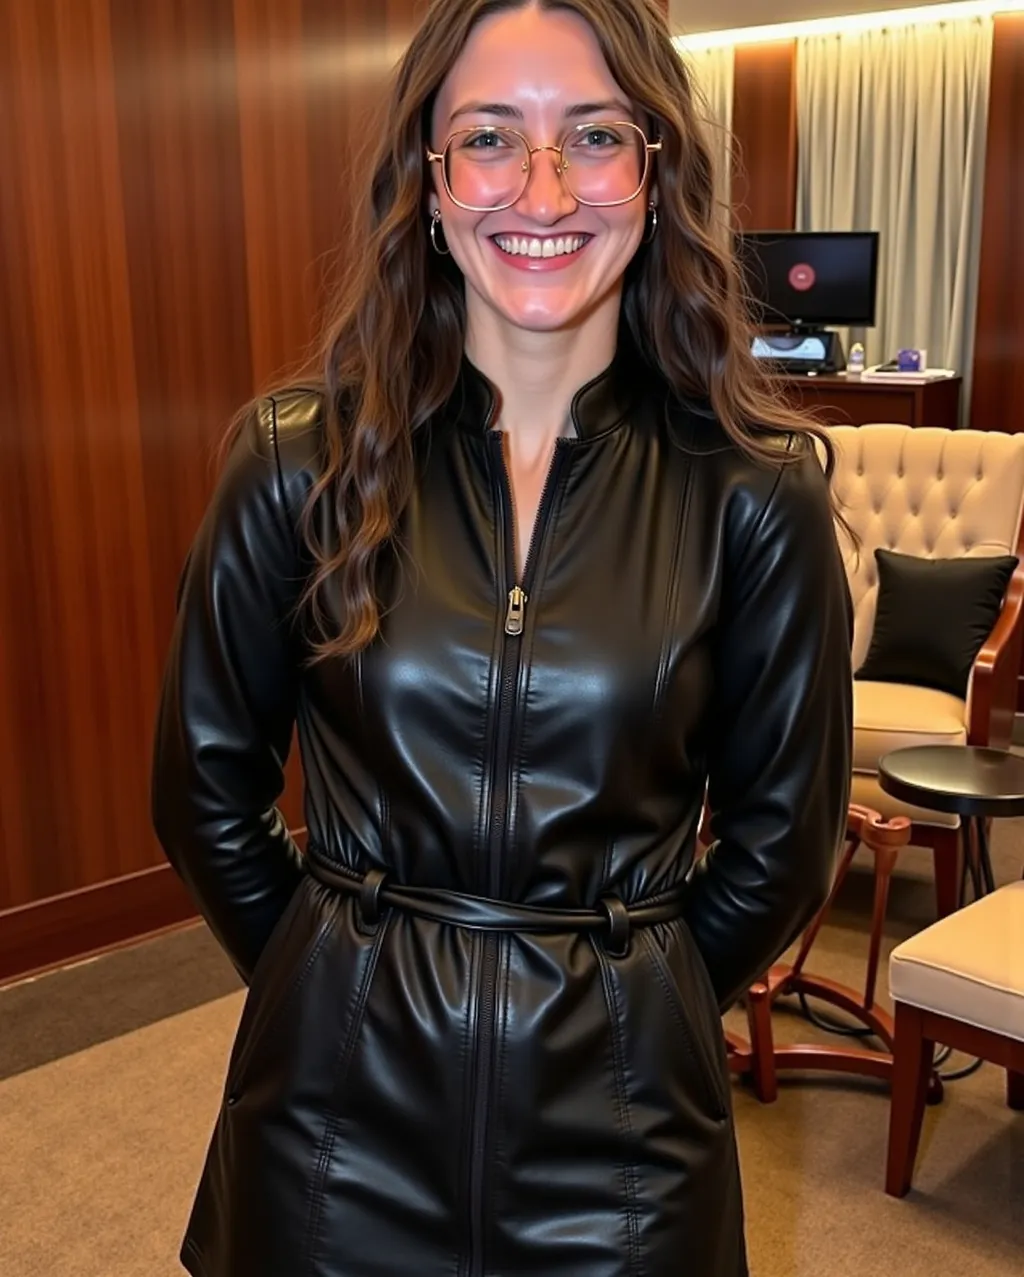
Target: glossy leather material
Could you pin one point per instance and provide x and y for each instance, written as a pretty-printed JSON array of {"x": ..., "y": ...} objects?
[{"x": 421, "y": 1097}]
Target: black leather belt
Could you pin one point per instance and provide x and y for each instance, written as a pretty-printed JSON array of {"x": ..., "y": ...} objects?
[{"x": 614, "y": 919}]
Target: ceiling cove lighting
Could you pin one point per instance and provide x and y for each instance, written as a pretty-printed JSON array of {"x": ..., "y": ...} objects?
[{"x": 850, "y": 25}]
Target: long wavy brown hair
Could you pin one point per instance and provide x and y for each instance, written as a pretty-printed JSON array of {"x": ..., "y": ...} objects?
[{"x": 394, "y": 344}]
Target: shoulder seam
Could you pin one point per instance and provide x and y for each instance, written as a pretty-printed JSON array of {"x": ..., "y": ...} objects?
[
  {"x": 763, "y": 512},
  {"x": 278, "y": 470}
]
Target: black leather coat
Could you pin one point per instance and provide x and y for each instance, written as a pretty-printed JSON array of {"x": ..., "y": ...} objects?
[{"x": 424, "y": 1083}]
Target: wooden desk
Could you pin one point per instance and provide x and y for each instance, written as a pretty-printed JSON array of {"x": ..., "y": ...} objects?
[{"x": 847, "y": 401}]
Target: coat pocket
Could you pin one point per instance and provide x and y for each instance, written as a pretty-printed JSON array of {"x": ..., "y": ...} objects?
[
  {"x": 280, "y": 971},
  {"x": 689, "y": 1023}
]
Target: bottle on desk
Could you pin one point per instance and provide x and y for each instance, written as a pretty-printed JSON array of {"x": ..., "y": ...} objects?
[{"x": 855, "y": 364}]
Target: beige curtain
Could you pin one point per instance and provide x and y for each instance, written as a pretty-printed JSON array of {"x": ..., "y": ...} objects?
[
  {"x": 892, "y": 129},
  {"x": 712, "y": 74}
]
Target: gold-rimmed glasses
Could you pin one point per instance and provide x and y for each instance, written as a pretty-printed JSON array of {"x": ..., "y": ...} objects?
[{"x": 487, "y": 168}]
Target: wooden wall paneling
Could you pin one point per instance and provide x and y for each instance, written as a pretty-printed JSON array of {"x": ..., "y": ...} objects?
[
  {"x": 18, "y": 373},
  {"x": 175, "y": 173},
  {"x": 765, "y": 134},
  {"x": 47, "y": 933},
  {"x": 79, "y": 649},
  {"x": 998, "y": 393},
  {"x": 179, "y": 132},
  {"x": 185, "y": 242},
  {"x": 358, "y": 49},
  {"x": 311, "y": 80},
  {"x": 274, "y": 72},
  {"x": 998, "y": 397},
  {"x": 272, "y": 67}
]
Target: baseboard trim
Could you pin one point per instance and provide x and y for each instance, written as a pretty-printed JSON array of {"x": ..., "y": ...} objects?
[{"x": 78, "y": 924}]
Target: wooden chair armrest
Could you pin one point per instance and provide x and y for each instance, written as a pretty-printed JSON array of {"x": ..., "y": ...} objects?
[
  {"x": 874, "y": 830},
  {"x": 996, "y": 669}
]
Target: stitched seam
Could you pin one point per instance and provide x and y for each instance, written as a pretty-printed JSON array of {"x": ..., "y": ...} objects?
[
  {"x": 763, "y": 515},
  {"x": 974, "y": 1023},
  {"x": 274, "y": 1013},
  {"x": 279, "y": 469},
  {"x": 911, "y": 731},
  {"x": 469, "y": 1052},
  {"x": 621, "y": 1101},
  {"x": 340, "y": 1072},
  {"x": 190, "y": 1246},
  {"x": 497, "y": 1157},
  {"x": 606, "y": 868},
  {"x": 688, "y": 1035},
  {"x": 672, "y": 598},
  {"x": 979, "y": 982}
]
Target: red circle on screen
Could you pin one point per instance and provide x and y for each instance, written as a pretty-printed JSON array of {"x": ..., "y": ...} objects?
[{"x": 802, "y": 277}]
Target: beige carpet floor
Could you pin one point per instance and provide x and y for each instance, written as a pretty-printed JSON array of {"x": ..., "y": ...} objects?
[{"x": 100, "y": 1149}]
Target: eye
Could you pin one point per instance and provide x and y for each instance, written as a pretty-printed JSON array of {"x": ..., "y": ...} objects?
[
  {"x": 483, "y": 140},
  {"x": 597, "y": 137}
]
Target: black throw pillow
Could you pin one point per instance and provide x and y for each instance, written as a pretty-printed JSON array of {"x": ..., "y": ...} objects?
[{"x": 933, "y": 617}]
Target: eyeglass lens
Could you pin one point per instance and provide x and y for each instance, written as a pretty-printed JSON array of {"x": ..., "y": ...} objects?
[{"x": 489, "y": 168}]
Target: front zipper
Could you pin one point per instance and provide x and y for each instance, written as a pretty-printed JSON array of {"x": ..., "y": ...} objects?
[
  {"x": 516, "y": 613},
  {"x": 509, "y": 659}
]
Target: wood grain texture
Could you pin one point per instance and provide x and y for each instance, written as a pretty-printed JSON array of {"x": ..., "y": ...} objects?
[
  {"x": 765, "y": 133},
  {"x": 838, "y": 401},
  {"x": 79, "y": 650},
  {"x": 998, "y": 397},
  {"x": 59, "y": 929},
  {"x": 175, "y": 173}
]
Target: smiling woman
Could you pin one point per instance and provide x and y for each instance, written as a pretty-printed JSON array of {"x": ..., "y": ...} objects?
[{"x": 539, "y": 565}]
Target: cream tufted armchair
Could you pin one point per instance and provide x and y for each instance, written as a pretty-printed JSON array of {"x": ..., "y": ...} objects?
[{"x": 939, "y": 494}]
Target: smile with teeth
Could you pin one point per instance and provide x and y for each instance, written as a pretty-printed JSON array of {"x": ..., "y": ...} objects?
[{"x": 533, "y": 246}]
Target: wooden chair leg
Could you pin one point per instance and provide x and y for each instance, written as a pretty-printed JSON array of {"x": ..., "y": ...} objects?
[
  {"x": 1015, "y": 1089},
  {"x": 912, "y": 1066},
  {"x": 885, "y": 867},
  {"x": 763, "y": 1077},
  {"x": 947, "y": 851}
]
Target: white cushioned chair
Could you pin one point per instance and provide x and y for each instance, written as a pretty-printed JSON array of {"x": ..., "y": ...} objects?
[
  {"x": 960, "y": 982},
  {"x": 938, "y": 494}
]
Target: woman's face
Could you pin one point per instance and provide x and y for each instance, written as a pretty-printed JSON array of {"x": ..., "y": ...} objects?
[{"x": 547, "y": 261}]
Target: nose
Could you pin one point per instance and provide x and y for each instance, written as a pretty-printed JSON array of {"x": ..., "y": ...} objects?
[{"x": 546, "y": 198}]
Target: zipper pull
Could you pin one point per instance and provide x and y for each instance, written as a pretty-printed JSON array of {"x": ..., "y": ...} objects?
[{"x": 516, "y": 609}]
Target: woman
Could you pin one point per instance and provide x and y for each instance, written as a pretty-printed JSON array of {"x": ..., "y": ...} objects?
[{"x": 540, "y": 561}]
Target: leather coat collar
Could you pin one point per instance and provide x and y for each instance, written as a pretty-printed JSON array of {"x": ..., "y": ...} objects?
[{"x": 597, "y": 407}]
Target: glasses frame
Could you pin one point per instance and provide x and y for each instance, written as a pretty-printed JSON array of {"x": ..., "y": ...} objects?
[{"x": 437, "y": 157}]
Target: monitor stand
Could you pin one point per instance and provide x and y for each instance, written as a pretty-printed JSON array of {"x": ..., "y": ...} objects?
[{"x": 802, "y": 350}]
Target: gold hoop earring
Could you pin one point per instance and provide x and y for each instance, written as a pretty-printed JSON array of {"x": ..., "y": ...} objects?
[
  {"x": 435, "y": 225},
  {"x": 652, "y": 208}
]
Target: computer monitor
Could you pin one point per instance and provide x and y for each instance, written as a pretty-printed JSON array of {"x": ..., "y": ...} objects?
[{"x": 811, "y": 279}]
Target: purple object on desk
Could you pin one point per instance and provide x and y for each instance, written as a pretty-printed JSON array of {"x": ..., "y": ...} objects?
[{"x": 909, "y": 361}]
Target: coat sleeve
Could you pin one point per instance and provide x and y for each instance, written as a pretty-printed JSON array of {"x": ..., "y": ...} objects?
[
  {"x": 228, "y": 704},
  {"x": 780, "y": 741}
]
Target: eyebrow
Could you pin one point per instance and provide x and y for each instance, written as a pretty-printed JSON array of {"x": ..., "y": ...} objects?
[{"x": 580, "y": 110}]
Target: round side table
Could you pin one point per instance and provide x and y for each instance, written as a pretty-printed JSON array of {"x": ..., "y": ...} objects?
[{"x": 973, "y": 783}]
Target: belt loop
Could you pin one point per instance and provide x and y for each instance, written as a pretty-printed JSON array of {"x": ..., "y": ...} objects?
[
  {"x": 369, "y": 899},
  {"x": 617, "y": 941}
]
